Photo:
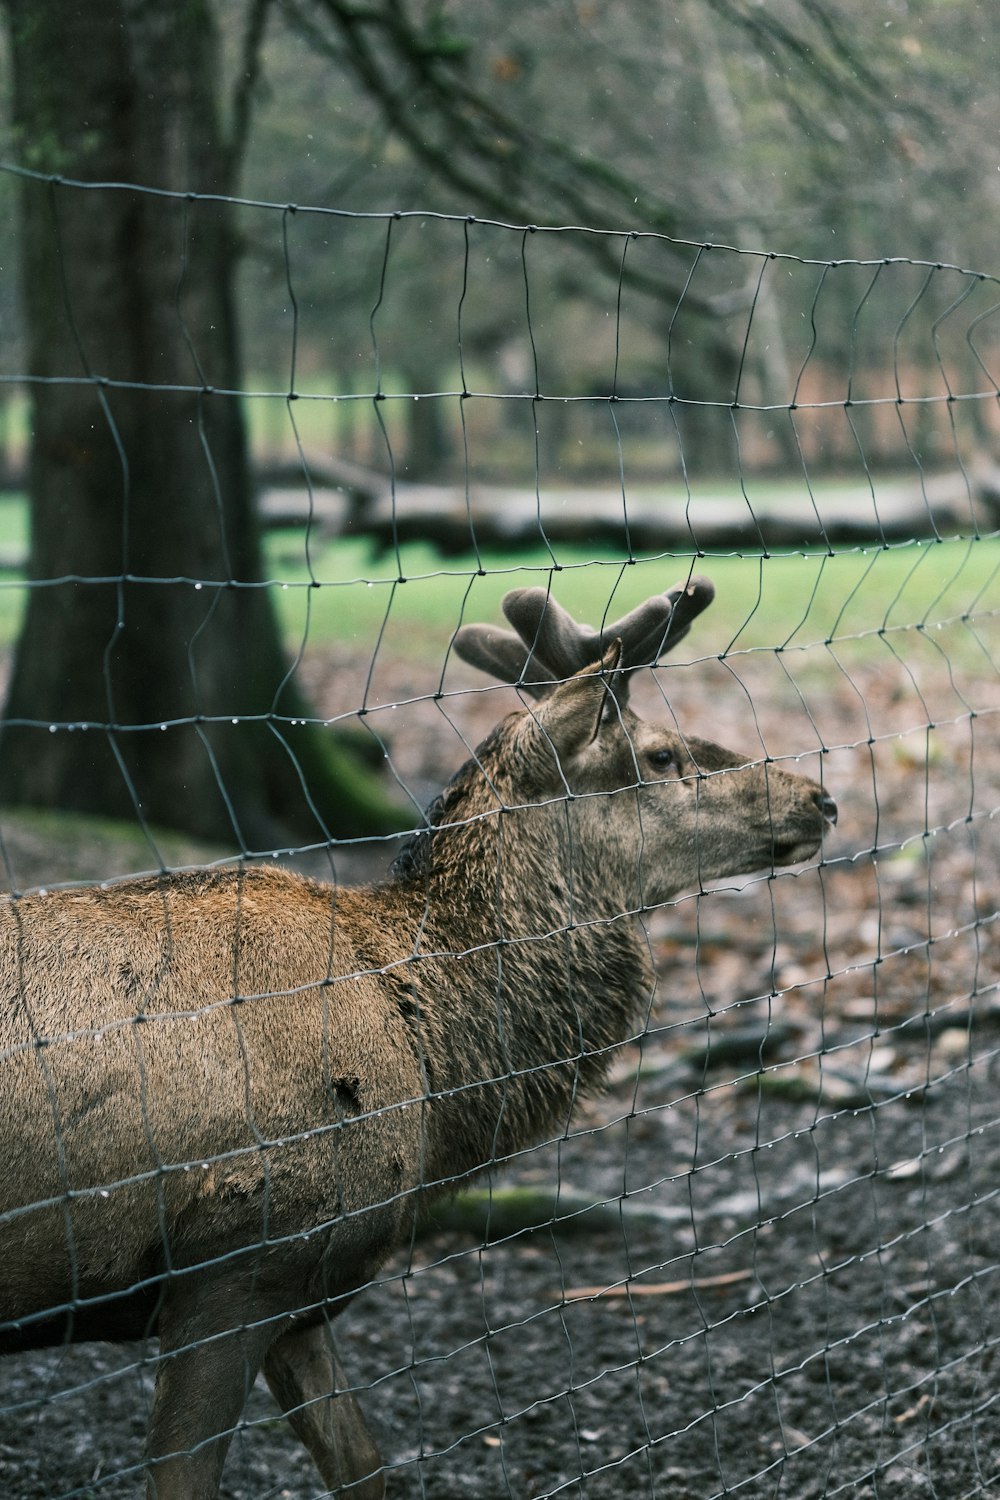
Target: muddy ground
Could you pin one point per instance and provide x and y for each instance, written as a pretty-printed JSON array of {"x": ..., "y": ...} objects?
[{"x": 769, "y": 1265}]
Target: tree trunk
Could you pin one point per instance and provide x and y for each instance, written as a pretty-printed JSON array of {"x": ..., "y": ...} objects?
[
  {"x": 428, "y": 449},
  {"x": 148, "y": 624}
]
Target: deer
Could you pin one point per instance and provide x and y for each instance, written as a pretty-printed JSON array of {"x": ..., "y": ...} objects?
[{"x": 227, "y": 1095}]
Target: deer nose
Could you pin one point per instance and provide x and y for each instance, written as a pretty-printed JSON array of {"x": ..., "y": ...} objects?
[{"x": 826, "y": 805}]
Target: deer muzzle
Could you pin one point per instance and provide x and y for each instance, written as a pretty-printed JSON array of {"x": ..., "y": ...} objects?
[{"x": 792, "y": 845}]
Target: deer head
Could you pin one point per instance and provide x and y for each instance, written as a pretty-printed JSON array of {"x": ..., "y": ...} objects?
[{"x": 648, "y": 810}]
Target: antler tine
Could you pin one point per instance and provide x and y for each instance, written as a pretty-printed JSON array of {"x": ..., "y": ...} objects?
[
  {"x": 661, "y": 623},
  {"x": 550, "y": 632},
  {"x": 500, "y": 653},
  {"x": 550, "y": 645}
]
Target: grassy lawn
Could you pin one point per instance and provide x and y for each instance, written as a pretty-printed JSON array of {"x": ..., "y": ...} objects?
[{"x": 790, "y": 599}]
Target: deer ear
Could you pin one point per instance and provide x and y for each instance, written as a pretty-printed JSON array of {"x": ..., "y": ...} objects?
[{"x": 571, "y": 716}]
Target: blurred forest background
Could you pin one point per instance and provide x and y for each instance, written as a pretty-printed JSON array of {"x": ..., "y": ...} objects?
[{"x": 831, "y": 131}]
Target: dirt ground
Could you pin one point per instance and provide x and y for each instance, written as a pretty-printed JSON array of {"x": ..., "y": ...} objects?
[{"x": 770, "y": 1265}]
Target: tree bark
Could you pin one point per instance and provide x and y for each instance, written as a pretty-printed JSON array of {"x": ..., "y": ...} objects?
[{"x": 148, "y": 623}]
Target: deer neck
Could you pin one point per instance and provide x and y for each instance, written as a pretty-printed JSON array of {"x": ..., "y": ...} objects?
[
  {"x": 526, "y": 871},
  {"x": 526, "y": 974}
]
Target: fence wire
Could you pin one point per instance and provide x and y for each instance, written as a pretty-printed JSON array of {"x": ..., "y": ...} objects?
[{"x": 761, "y": 1258}]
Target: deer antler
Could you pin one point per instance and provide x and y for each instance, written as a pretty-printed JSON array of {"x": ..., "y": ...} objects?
[{"x": 549, "y": 645}]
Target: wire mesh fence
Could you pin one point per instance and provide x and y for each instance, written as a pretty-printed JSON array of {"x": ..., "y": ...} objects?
[{"x": 760, "y": 1258}]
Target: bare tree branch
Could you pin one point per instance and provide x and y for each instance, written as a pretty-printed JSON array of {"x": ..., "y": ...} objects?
[{"x": 491, "y": 159}]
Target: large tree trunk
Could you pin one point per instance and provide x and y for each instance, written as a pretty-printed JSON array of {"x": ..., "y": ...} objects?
[{"x": 149, "y": 610}]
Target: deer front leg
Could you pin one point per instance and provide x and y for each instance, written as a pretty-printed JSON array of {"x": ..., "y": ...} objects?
[{"x": 309, "y": 1384}]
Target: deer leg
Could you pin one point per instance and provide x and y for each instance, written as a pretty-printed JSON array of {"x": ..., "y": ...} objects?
[
  {"x": 202, "y": 1383},
  {"x": 309, "y": 1384}
]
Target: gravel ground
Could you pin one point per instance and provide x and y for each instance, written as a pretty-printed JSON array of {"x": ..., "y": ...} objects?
[{"x": 769, "y": 1265}]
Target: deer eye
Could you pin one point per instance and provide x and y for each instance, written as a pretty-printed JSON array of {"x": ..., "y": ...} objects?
[{"x": 663, "y": 758}]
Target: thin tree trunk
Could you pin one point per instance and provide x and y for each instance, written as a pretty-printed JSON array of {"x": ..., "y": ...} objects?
[
  {"x": 429, "y": 448},
  {"x": 769, "y": 344}
]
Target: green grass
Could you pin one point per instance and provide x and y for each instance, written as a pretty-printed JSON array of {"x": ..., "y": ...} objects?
[
  {"x": 418, "y": 601},
  {"x": 13, "y": 522},
  {"x": 13, "y": 548},
  {"x": 781, "y": 600}
]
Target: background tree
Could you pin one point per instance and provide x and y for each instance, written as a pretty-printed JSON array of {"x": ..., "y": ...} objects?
[{"x": 139, "y": 476}]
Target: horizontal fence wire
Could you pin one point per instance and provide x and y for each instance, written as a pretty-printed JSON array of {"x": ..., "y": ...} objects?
[{"x": 274, "y": 1001}]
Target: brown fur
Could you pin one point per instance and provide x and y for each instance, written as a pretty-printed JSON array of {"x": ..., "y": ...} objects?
[{"x": 223, "y": 1096}]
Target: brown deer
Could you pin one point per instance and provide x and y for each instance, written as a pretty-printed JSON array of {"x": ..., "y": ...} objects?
[{"x": 224, "y": 1096}]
